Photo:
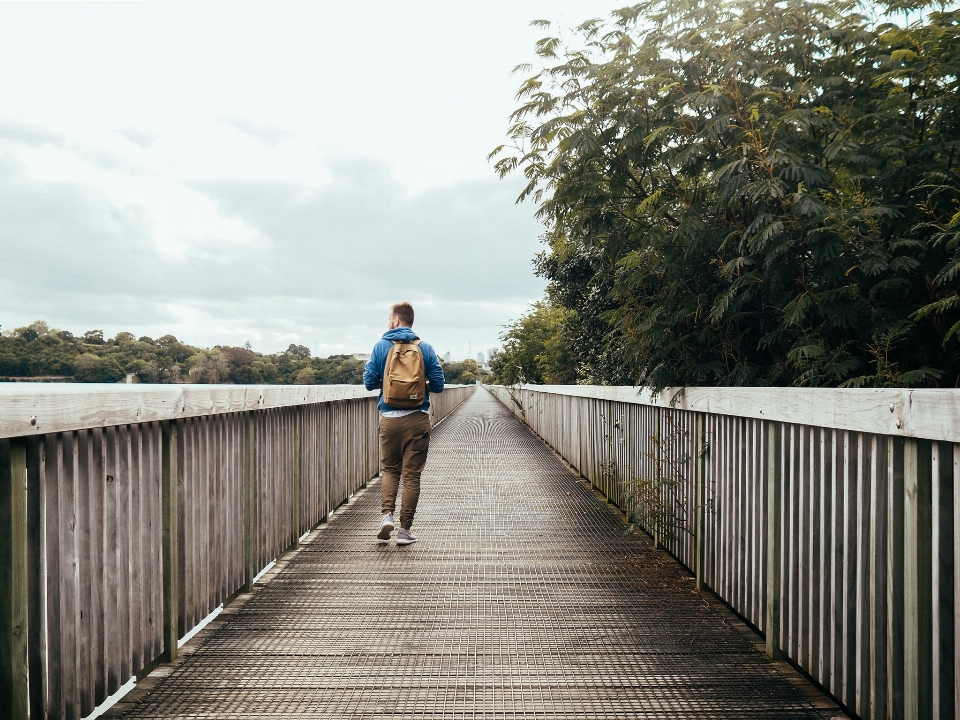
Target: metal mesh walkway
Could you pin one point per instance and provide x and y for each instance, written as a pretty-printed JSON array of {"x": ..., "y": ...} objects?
[{"x": 522, "y": 599}]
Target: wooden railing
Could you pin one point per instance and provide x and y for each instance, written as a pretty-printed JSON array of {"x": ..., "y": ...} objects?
[
  {"x": 828, "y": 519},
  {"x": 129, "y": 513}
]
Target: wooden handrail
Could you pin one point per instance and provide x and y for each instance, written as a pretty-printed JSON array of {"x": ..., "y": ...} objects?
[{"x": 923, "y": 413}]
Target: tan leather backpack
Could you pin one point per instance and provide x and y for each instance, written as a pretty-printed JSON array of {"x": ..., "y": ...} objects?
[{"x": 404, "y": 379}]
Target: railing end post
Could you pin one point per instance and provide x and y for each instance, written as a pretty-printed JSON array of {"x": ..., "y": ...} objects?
[{"x": 14, "y": 667}]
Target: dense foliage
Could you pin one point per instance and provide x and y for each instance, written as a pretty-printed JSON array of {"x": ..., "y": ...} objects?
[
  {"x": 534, "y": 350},
  {"x": 463, "y": 372},
  {"x": 746, "y": 193},
  {"x": 39, "y": 351}
]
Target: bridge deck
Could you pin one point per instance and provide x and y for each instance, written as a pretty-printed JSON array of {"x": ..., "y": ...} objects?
[{"x": 523, "y": 598}]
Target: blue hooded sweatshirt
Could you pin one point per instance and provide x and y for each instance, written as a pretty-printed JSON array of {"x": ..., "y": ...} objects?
[{"x": 373, "y": 370}]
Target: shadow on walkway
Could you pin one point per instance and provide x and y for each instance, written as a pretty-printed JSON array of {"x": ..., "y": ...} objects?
[{"x": 523, "y": 598}]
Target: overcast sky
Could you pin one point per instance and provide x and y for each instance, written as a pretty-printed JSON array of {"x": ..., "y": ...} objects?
[{"x": 266, "y": 172}]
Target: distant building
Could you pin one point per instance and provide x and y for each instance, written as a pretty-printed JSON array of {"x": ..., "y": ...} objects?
[
  {"x": 361, "y": 356},
  {"x": 480, "y": 359},
  {"x": 446, "y": 356}
]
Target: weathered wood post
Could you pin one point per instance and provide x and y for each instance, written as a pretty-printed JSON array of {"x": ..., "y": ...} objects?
[
  {"x": 700, "y": 500},
  {"x": 249, "y": 500},
  {"x": 14, "y": 673},
  {"x": 917, "y": 577},
  {"x": 170, "y": 523},
  {"x": 774, "y": 483}
]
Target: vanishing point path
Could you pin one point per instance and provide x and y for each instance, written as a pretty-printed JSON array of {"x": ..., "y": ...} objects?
[{"x": 522, "y": 599}]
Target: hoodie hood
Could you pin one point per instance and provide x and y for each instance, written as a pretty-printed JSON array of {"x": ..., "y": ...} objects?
[{"x": 400, "y": 333}]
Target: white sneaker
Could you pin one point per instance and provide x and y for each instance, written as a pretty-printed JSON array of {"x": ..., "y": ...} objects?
[
  {"x": 405, "y": 537},
  {"x": 386, "y": 527}
]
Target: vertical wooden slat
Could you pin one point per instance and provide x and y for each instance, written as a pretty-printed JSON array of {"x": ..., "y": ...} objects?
[
  {"x": 792, "y": 540},
  {"x": 956, "y": 584},
  {"x": 170, "y": 498},
  {"x": 95, "y": 571},
  {"x": 943, "y": 578},
  {"x": 184, "y": 500},
  {"x": 200, "y": 487},
  {"x": 233, "y": 512},
  {"x": 249, "y": 500},
  {"x": 14, "y": 596},
  {"x": 700, "y": 499},
  {"x": 917, "y": 641},
  {"x": 187, "y": 501},
  {"x": 156, "y": 514},
  {"x": 774, "y": 483},
  {"x": 814, "y": 576},
  {"x": 69, "y": 580},
  {"x": 827, "y": 554},
  {"x": 186, "y": 515},
  {"x": 215, "y": 511},
  {"x": 756, "y": 570},
  {"x": 208, "y": 488},
  {"x": 239, "y": 497},
  {"x": 847, "y": 690},
  {"x": 220, "y": 514},
  {"x": 37, "y": 580},
  {"x": 760, "y": 605},
  {"x": 112, "y": 632},
  {"x": 838, "y": 465},
  {"x": 737, "y": 511},
  {"x": 122, "y": 525},
  {"x": 296, "y": 476},
  {"x": 800, "y": 597},
  {"x": 862, "y": 570},
  {"x": 723, "y": 516},
  {"x": 264, "y": 438},
  {"x": 878, "y": 579},
  {"x": 895, "y": 559},
  {"x": 50, "y": 531},
  {"x": 84, "y": 554},
  {"x": 151, "y": 514},
  {"x": 137, "y": 537}
]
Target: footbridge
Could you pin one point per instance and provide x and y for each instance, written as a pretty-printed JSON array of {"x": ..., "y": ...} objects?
[{"x": 589, "y": 552}]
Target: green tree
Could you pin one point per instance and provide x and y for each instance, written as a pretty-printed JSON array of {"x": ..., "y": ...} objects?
[
  {"x": 749, "y": 193},
  {"x": 91, "y": 368},
  {"x": 39, "y": 350},
  {"x": 536, "y": 348},
  {"x": 307, "y": 376},
  {"x": 464, "y": 372}
]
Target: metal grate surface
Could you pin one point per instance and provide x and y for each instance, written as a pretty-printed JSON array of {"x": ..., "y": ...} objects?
[{"x": 522, "y": 599}]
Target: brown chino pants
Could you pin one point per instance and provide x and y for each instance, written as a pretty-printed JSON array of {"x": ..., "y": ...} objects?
[{"x": 404, "y": 442}]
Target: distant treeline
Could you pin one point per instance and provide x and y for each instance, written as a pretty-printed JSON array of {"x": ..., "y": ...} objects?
[{"x": 39, "y": 352}]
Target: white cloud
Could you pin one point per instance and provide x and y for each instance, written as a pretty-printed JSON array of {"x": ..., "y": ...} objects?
[
  {"x": 230, "y": 261},
  {"x": 264, "y": 171}
]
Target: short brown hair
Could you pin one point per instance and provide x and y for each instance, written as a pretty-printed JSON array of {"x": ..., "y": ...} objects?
[{"x": 404, "y": 311}]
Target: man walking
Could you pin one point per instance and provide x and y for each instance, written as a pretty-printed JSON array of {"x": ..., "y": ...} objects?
[{"x": 404, "y": 369}]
